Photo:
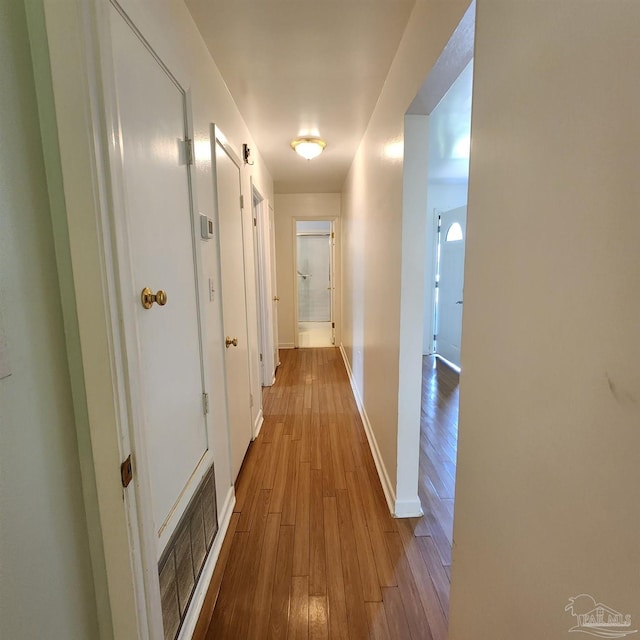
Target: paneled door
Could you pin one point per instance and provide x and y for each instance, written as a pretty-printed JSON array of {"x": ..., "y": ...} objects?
[
  {"x": 449, "y": 298},
  {"x": 234, "y": 298},
  {"x": 156, "y": 224}
]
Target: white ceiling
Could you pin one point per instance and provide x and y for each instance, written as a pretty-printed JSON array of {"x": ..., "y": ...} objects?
[{"x": 304, "y": 67}]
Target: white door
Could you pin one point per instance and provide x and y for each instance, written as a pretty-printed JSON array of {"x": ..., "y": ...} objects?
[
  {"x": 157, "y": 217},
  {"x": 274, "y": 287},
  {"x": 234, "y": 301},
  {"x": 449, "y": 300},
  {"x": 263, "y": 261}
]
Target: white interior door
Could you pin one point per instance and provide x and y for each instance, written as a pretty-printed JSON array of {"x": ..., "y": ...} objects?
[
  {"x": 274, "y": 287},
  {"x": 262, "y": 243},
  {"x": 449, "y": 298},
  {"x": 158, "y": 217},
  {"x": 234, "y": 301}
]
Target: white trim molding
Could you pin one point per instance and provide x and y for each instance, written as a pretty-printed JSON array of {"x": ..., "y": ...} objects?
[
  {"x": 258, "y": 424},
  {"x": 387, "y": 487},
  {"x": 286, "y": 345}
]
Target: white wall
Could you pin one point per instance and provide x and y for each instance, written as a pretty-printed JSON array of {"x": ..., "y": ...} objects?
[
  {"x": 372, "y": 228},
  {"x": 46, "y": 584},
  {"x": 548, "y": 474},
  {"x": 288, "y": 207}
]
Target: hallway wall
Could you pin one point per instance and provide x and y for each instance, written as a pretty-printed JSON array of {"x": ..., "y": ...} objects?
[
  {"x": 46, "y": 583},
  {"x": 548, "y": 474},
  {"x": 287, "y": 207},
  {"x": 372, "y": 225}
]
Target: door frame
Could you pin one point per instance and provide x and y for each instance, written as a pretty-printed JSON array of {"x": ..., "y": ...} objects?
[
  {"x": 335, "y": 270},
  {"x": 217, "y": 137},
  {"x": 440, "y": 242},
  {"x": 265, "y": 279},
  {"x": 75, "y": 85},
  {"x": 415, "y": 267}
]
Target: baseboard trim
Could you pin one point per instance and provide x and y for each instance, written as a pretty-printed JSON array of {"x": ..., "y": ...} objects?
[
  {"x": 387, "y": 487},
  {"x": 258, "y": 424},
  {"x": 409, "y": 508},
  {"x": 286, "y": 345},
  {"x": 193, "y": 613}
]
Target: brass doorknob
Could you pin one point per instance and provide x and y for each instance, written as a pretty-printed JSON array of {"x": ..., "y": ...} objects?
[
  {"x": 148, "y": 298},
  {"x": 231, "y": 341},
  {"x": 276, "y": 299}
]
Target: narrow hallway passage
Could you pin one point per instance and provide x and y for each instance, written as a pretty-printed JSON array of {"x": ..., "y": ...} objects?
[{"x": 311, "y": 551}]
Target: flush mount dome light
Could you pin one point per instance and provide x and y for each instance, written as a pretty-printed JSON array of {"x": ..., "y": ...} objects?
[{"x": 308, "y": 148}]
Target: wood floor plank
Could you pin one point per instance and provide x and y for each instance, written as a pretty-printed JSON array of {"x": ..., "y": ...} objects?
[
  {"x": 318, "y": 618},
  {"x": 356, "y": 612},
  {"x": 264, "y": 579},
  {"x": 280, "y": 605},
  {"x": 336, "y": 457},
  {"x": 436, "y": 571},
  {"x": 250, "y": 563},
  {"x": 416, "y": 617},
  {"x": 302, "y": 529},
  {"x": 280, "y": 478},
  {"x": 377, "y": 619},
  {"x": 272, "y": 455},
  {"x": 227, "y": 598},
  {"x": 396, "y": 615},
  {"x": 366, "y": 559},
  {"x": 384, "y": 566},
  {"x": 317, "y": 563},
  {"x": 290, "y": 495},
  {"x": 428, "y": 594},
  {"x": 299, "y": 611},
  {"x": 338, "y": 625}
]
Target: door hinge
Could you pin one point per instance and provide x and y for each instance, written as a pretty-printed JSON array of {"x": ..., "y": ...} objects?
[
  {"x": 241, "y": 201},
  {"x": 188, "y": 149},
  {"x": 333, "y": 325},
  {"x": 333, "y": 235},
  {"x": 260, "y": 357},
  {"x": 437, "y": 285},
  {"x": 251, "y": 400},
  {"x": 205, "y": 403},
  {"x": 255, "y": 222},
  {"x": 126, "y": 472},
  {"x": 434, "y": 337}
]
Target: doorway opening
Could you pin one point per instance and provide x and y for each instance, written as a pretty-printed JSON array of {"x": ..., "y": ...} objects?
[
  {"x": 314, "y": 258},
  {"x": 448, "y": 177},
  {"x": 437, "y": 145}
]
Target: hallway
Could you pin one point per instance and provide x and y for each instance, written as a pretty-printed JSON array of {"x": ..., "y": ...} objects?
[{"x": 311, "y": 550}]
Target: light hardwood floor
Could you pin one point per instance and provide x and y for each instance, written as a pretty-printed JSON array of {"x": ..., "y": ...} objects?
[{"x": 311, "y": 551}]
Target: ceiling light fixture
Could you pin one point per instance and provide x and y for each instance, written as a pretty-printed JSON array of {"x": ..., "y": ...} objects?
[{"x": 308, "y": 148}]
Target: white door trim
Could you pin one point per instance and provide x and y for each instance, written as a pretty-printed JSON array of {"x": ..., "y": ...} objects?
[{"x": 335, "y": 273}]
